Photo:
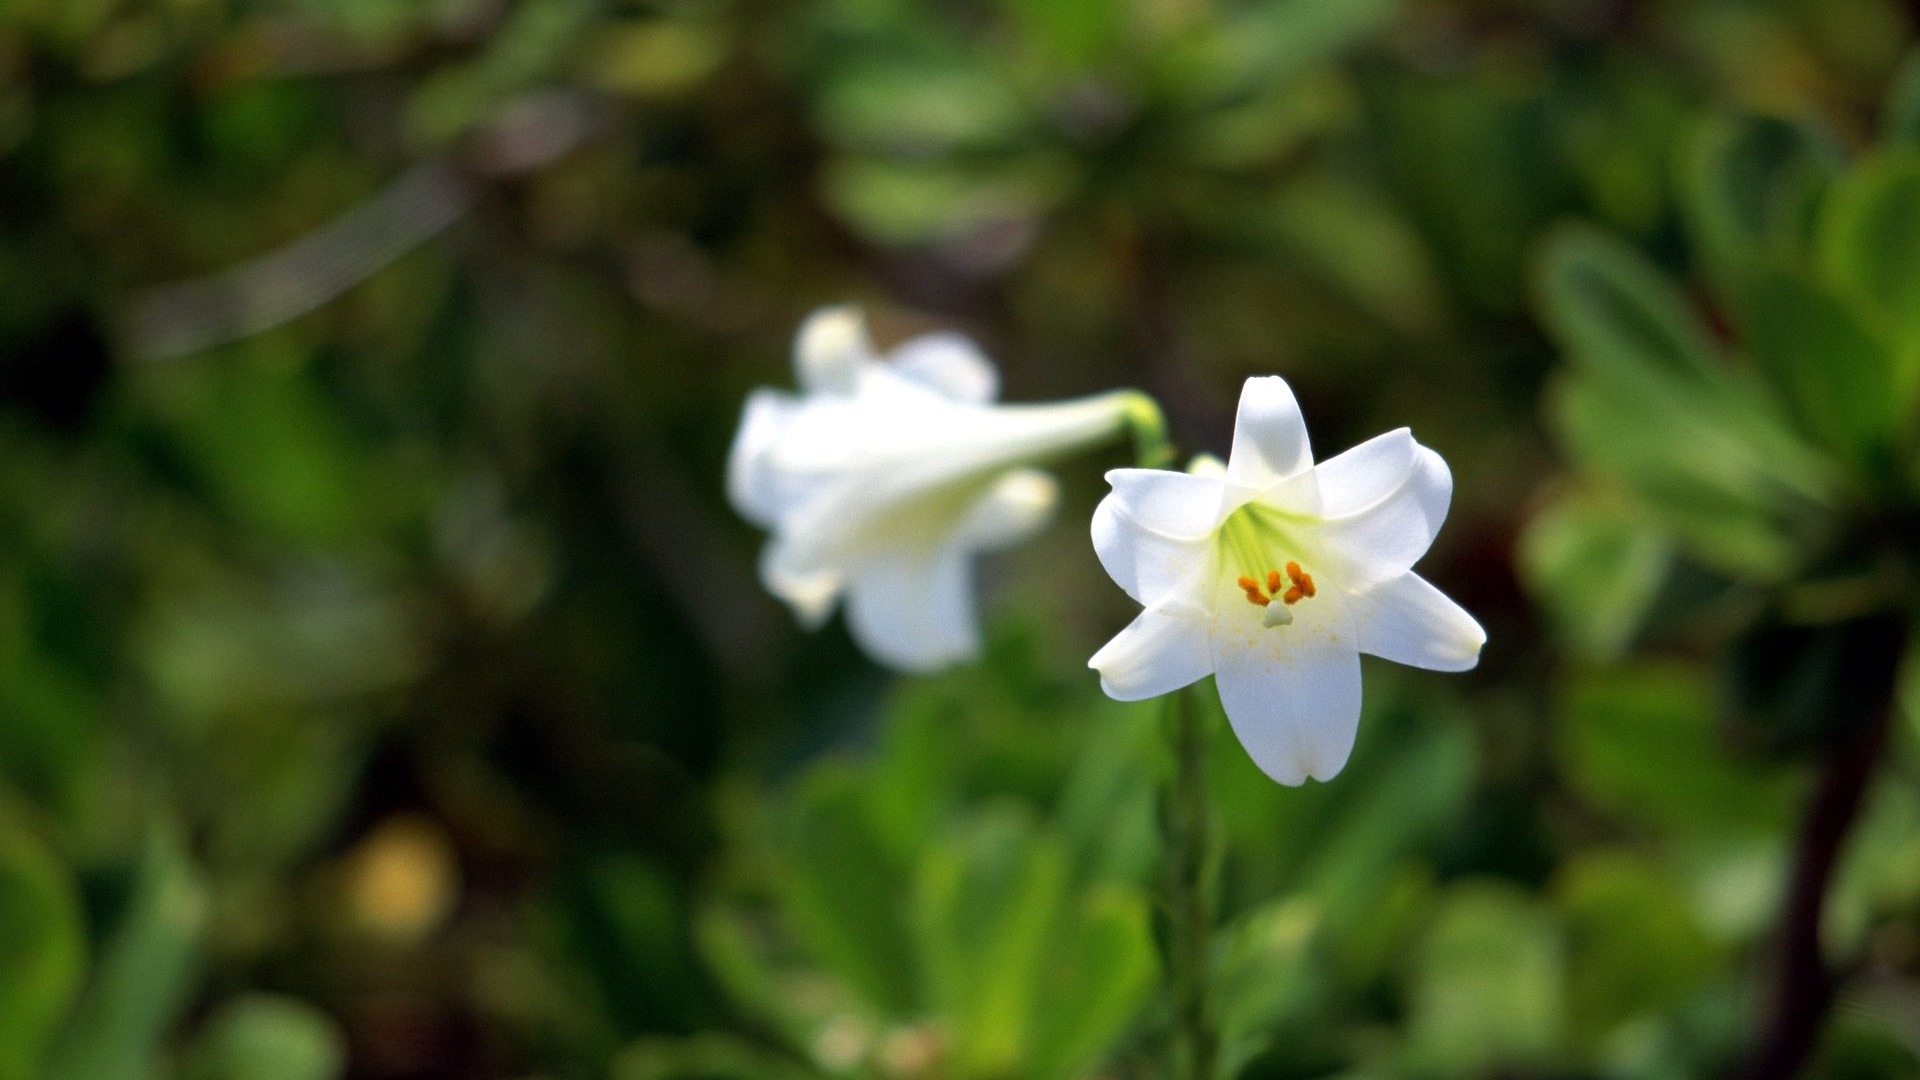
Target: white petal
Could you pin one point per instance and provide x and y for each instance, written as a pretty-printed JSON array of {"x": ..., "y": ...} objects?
[
  {"x": 914, "y": 612},
  {"x": 1352, "y": 481},
  {"x": 1160, "y": 651},
  {"x": 1269, "y": 436},
  {"x": 1179, "y": 505},
  {"x": 830, "y": 349},
  {"x": 1293, "y": 699},
  {"x": 752, "y": 479},
  {"x": 921, "y": 492},
  {"x": 1408, "y": 621},
  {"x": 949, "y": 363},
  {"x": 1385, "y": 539},
  {"x": 810, "y": 592},
  {"x": 1018, "y": 505},
  {"x": 1149, "y": 565}
]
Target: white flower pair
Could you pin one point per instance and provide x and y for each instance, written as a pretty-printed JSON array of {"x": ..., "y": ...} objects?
[{"x": 1272, "y": 574}]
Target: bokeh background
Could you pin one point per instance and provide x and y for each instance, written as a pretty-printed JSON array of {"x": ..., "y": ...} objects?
[{"x": 386, "y": 691}]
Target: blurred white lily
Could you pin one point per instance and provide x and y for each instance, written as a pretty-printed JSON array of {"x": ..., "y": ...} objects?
[
  {"x": 885, "y": 476},
  {"x": 1274, "y": 574}
]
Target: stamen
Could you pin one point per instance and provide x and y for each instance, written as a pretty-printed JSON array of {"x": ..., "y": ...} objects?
[{"x": 1273, "y": 599}]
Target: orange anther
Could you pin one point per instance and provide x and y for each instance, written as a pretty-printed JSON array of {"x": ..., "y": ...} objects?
[
  {"x": 1293, "y": 571},
  {"x": 1273, "y": 581},
  {"x": 1247, "y": 583},
  {"x": 1306, "y": 584},
  {"x": 1293, "y": 595},
  {"x": 1255, "y": 596}
]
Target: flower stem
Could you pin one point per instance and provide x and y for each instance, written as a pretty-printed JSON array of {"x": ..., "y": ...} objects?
[
  {"x": 1187, "y": 821},
  {"x": 1151, "y": 447}
]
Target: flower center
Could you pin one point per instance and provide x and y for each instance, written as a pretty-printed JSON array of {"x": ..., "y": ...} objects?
[{"x": 1299, "y": 585}]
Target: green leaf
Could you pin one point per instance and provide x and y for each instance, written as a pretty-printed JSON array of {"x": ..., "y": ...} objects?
[
  {"x": 632, "y": 931},
  {"x": 42, "y": 950},
  {"x": 1624, "y": 737},
  {"x": 1844, "y": 385},
  {"x": 1489, "y": 985},
  {"x": 1405, "y": 786},
  {"x": 1750, "y": 187},
  {"x": 1264, "y": 974},
  {"x": 987, "y": 904},
  {"x": 1099, "y": 973},
  {"x": 1363, "y": 245},
  {"x": 921, "y": 106},
  {"x": 1595, "y": 567},
  {"x": 1656, "y": 407},
  {"x": 712, "y": 1056},
  {"x": 1106, "y": 810},
  {"x": 1619, "y": 317},
  {"x": 914, "y": 202},
  {"x": 1074, "y": 34},
  {"x": 266, "y": 441},
  {"x": 1272, "y": 41},
  {"x": 1869, "y": 248},
  {"x": 1900, "y": 114},
  {"x": 144, "y": 977},
  {"x": 1633, "y": 946},
  {"x": 532, "y": 41},
  {"x": 1709, "y": 486},
  {"x": 267, "y": 1037},
  {"x": 844, "y": 894},
  {"x": 1408, "y": 795}
]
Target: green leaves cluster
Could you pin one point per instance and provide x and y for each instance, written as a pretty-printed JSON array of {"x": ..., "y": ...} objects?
[
  {"x": 1762, "y": 422},
  {"x": 941, "y": 920}
]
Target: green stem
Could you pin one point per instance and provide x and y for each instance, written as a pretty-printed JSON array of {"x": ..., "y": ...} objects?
[
  {"x": 1188, "y": 824},
  {"x": 1151, "y": 447}
]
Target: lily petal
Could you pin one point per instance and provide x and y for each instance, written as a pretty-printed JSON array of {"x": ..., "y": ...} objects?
[
  {"x": 1408, "y": 621},
  {"x": 830, "y": 350},
  {"x": 809, "y": 592},
  {"x": 914, "y": 612},
  {"x": 753, "y": 484},
  {"x": 1269, "y": 436},
  {"x": 1295, "y": 707},
  {"x": 950, "y": 364},
  {"x": 909, "y": 497},
  {"x": 1385, "y": 539},
  {"x": 1359, "y": 478},
  {"x": 1173, "y": 504},
  {"x": 1018, "y": 505},
  {"x": 1160, "y": 651},
  {"x": 1149, "y": 565}
]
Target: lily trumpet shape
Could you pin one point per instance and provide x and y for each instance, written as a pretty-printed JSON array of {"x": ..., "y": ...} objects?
[
  {"x": 885, "y": 476},
  {"x": 1274, "y": 574}
]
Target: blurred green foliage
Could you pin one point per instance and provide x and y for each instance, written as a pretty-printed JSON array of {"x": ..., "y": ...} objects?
[{"x": 386, "y": 692}]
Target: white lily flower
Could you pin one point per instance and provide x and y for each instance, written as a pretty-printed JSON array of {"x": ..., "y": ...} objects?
[
  {"x": 885, "y": 476},
  {"x": 1274, "y": 574}
]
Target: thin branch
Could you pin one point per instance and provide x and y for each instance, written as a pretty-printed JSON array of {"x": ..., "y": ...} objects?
[
  {"x": 1805, "y": 986},
  {"x": 179, "y": 319}
]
